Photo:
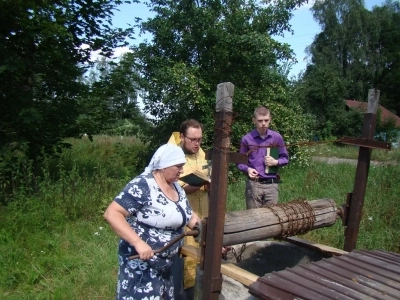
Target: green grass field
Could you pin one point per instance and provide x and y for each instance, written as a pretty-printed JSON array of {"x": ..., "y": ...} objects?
[{"x": 54, "y": 243}]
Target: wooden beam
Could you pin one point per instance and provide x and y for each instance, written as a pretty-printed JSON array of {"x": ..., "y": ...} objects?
[
  {"x": 365, "y": 143},
  {"x": 239, "y": 274},
  {"x": 233, "y": 157},
  {"x": 373, "y": 101},
  {"x": 212, "y": 279},
  {"x": 360, "y": 183},
  {"x": 316, "y": 246},
  {"x": 228, "y": 269}
]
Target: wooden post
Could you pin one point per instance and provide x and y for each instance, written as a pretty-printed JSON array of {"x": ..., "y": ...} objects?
[
  {"x": 360, "y": 183},
  {"x": 212, "y": 279}
]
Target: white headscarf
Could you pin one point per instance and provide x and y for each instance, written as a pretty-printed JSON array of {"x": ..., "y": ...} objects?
[{"x": 166, "y": 156}]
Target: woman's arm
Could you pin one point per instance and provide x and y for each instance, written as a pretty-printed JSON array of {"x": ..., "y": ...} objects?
[
  {"x": 193, "y": 220},
  {"x": 115, "y": 215}
]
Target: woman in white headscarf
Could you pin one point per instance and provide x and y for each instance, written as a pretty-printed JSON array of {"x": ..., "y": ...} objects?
[{"x": 150, "y": 211}]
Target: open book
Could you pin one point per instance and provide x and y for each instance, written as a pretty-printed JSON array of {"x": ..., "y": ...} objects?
[
  {"x": 195, "y": 178},
  {"x": 274, "y": 152}
]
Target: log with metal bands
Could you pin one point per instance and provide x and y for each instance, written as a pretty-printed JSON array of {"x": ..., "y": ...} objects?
[{"x": 278, "y": 221}]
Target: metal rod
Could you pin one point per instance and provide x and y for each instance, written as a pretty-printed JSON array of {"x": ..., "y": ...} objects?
[{"x": 179, "y": 237}]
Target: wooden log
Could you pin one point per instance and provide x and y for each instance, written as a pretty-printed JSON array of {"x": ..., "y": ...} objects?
[{"x": 285, "y": 219}]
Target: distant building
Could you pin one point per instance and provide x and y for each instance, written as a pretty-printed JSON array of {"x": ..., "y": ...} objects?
[{"x": 386, "y": 115}]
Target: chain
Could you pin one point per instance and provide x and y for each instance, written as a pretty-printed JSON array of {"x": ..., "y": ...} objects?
[
  {"x": 237, "y": 256},
  {"x": 300, "y": 217},
  {"x": 271, "y": 207}
]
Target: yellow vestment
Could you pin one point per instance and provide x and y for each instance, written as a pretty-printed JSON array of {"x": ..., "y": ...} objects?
[{"x": 198, "y": 201}]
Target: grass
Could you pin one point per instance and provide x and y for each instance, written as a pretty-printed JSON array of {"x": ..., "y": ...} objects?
[
  {"x": 381, "y": 212},
  {"x": 351, "y": 152},
  {"x": 54, "y": 243}
]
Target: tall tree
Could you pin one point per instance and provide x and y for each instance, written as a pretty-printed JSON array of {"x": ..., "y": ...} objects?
[
  {"x": 45, "y": 46},
  {"x": 347, "y": 58},
  {"x": 388, "y": 48},
  {"x": 112, "y": 97},
  {"x": 197, "y": 44}
]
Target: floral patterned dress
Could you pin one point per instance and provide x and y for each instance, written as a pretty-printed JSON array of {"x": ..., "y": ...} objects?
[{"x": 157, "y": 220}]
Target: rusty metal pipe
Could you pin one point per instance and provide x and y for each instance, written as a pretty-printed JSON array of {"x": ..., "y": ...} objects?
[{"x": 179, "y": 237}]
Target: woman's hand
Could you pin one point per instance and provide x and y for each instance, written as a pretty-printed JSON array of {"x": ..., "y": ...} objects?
[
  {"x": 193, "y": 220},
  {"x": 116, "y": 215},
  {"x": 145, "y": 252},
  {"x": 190, "y": 189}
]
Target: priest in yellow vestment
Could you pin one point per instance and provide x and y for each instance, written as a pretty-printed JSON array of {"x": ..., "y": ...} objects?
[{"x": 189, "y": 138}]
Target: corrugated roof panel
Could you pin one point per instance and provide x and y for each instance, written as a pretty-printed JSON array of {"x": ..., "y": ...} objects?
[{"x": 360, "y": 275}]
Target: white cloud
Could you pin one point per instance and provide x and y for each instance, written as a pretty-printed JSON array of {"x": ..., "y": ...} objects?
[
  {"x": 95, "y": 55},
  {"x": 121, "y": 50}
]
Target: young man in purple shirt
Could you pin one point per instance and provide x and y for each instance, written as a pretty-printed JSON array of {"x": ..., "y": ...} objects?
[{"x": 262, "y": 188}]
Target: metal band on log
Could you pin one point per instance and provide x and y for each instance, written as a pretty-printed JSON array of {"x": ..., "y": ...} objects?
[{"x": 278, "y": 221}]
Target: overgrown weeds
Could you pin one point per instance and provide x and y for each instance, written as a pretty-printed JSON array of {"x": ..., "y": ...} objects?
[{"x": 54, "y": 243}]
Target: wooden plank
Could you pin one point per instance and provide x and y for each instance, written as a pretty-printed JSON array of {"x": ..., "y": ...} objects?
[
  {"x": 239, "y": 274},
  {"x": 316, "y": 246},
  {"x": 228, "y": 269},
  {"x": 190, "y": 251}
]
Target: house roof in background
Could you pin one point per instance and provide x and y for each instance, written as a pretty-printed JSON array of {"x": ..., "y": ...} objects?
[{"x": 386, "y": 115}]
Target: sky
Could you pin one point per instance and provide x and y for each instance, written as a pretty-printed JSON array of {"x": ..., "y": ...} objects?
[{"x": 302, "y": 22}]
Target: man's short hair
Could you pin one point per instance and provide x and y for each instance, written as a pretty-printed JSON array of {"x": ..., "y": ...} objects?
[
  {"x": 189, "y": 123},
  {"x": 262, "y": 110}
]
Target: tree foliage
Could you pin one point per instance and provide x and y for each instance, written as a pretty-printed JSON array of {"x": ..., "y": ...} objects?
[
  {"x": 388, "y": 45},
  {"x": 45, "y": 47},
  {"x": 355, "y": 51},
  {"x": 111, "y": 105},
  {"x": 196, "y": 45}
]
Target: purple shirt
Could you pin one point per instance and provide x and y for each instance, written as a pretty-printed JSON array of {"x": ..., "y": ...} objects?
[{"x": 253, "y": 140}]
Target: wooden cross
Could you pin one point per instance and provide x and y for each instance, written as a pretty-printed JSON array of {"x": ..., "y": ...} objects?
[{"x": 355, "y": 200}]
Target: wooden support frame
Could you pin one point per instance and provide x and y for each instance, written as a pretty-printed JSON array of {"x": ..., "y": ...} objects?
[
  {"x": 212, "y": 245},
  {"x": 353, "y": 215}
]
